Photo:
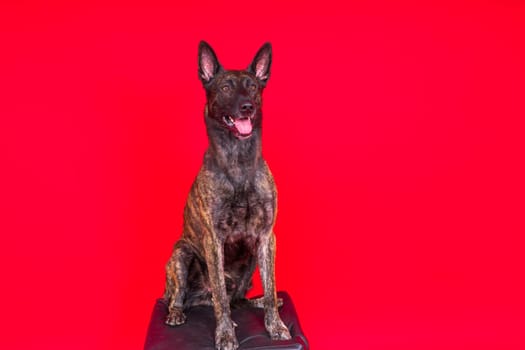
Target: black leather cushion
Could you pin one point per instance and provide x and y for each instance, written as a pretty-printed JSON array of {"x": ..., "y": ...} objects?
[{"x": 199, "y": 330}]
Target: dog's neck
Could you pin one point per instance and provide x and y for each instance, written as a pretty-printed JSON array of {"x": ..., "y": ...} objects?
[{"x": 237, "y": 159}]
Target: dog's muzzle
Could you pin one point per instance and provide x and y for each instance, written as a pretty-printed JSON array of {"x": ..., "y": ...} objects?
[{"x": 242, "y": 127}]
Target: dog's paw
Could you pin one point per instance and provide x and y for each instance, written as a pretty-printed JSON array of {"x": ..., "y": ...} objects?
[
  {"x": 225, "y": 338},
  {"x": 278, "y": 330},
  {"x": 175, "y": 317}
]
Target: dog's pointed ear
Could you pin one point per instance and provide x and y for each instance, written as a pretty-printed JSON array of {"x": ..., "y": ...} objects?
[
  {"x": 260, "y": 65},
  {"x": 209, "y": 66}
]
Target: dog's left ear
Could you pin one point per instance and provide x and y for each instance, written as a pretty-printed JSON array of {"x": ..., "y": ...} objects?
[{"x": 260, "y": 65}]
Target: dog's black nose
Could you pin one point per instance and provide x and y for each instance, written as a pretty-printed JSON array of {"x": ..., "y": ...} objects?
[{"x": 247, "y": 108}]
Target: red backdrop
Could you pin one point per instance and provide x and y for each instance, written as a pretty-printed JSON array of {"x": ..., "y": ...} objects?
[{"x": 394, "y": 131}]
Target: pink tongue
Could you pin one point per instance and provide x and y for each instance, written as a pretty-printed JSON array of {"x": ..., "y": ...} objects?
[{"x": 244, "y": 126}]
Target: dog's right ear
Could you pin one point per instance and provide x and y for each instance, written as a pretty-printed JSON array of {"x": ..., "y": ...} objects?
[{"x": 209, "y": 66}]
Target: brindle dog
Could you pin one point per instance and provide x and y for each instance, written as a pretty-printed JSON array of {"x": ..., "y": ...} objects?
[{"x": 231, "y": 207}]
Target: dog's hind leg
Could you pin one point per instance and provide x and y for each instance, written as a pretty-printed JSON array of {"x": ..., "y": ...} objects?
[
  {"x": 239, "y": 298},
  {"x": 176, "y": 282},
  {"x": 244, "y": 282}
]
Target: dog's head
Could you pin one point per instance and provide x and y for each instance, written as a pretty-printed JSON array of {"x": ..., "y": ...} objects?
[{"x": 234, "y": 96}]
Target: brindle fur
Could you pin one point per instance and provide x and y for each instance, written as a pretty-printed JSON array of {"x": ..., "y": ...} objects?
[{"x": 230, "y": 211}]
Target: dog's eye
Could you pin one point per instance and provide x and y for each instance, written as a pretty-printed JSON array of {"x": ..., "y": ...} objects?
[
  {"x": 226, "y": 88},
  {"x": 252, "y": 87}
]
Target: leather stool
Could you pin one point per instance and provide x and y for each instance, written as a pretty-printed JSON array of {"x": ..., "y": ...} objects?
[{"x": 199, "y": 330}]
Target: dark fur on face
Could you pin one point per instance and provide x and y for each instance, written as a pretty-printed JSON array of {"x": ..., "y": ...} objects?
[{"x": 231, "y": 207}]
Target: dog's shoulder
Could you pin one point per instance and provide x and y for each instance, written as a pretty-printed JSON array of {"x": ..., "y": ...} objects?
[{"x": 264, "y": 180}]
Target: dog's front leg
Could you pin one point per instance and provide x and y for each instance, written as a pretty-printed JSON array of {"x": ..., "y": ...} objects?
[
  {"x": 225, "y": 338},
  {"x": 266, "y": 259}
]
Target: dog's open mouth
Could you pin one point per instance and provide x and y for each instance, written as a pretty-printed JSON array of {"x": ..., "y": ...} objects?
[{"x": 242, "y": 127}]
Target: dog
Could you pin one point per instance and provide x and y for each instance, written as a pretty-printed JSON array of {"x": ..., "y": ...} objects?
[{"x": 231, "y": 207}]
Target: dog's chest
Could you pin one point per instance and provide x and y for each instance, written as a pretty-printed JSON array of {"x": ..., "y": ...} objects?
[{"x": 246, "y": 211}]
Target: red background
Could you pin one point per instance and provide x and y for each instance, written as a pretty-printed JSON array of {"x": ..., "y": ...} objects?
[{"x": 394, "y": 131}]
